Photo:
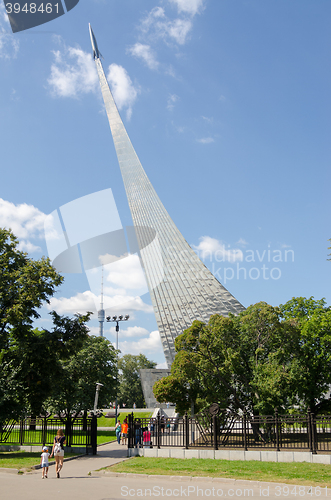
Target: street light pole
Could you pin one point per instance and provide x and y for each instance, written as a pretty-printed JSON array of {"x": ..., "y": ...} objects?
[
  {"x": 94, "y": 425},
  {"x": 97, "y": 389},
  {"x": 116, "y": 320}
]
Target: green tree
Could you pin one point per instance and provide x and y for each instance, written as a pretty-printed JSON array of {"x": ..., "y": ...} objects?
[
  {"x": 183, "y": 387},
  {"x": 312, "y": 319},
  {"x": 82, "y": 361},
  {"x": 242, "y": 362},
  {"x": 24, "y": 285},
  {"x": 130, "y": 390}
]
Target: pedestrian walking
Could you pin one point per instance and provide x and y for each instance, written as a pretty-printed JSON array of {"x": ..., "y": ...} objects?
[
  {"x": 44, "y": 462},
  {"x": 58, "y": 451}
]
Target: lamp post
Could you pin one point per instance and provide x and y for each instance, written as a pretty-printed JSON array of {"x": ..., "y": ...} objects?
[
  {"x": 97, "y": 389},
  {"x": 94, "y": 426},
  {"x": 116, "y": 320}
]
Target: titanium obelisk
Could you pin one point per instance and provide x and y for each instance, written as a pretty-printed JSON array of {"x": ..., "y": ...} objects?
[{"x": 182, "y": 289}]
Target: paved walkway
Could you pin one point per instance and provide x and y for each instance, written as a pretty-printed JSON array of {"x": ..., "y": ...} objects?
[{"x": 80, "y": 481}]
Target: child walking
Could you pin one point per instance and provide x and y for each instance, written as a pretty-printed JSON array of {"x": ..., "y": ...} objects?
[{"x": 44, "y": 462}]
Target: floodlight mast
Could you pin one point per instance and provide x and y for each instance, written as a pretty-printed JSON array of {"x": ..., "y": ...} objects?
[{"x": 116, "y": 320}]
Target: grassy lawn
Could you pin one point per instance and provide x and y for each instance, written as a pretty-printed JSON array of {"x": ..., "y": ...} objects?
[
  {"x": 105, "y": 436},
  {"x": 292, "y": 473},
  {"x": 22, "y": 459},
  {"x": 110, "y": 422}
]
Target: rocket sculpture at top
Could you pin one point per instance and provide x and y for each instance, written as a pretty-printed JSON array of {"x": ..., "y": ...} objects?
[{"x": 182, "y": 289}]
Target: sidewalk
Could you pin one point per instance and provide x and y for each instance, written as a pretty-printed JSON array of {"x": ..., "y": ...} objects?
[{"x": 80, "y": 481}]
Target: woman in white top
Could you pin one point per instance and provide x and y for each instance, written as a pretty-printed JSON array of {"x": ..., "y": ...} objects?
[{"x": 58, "y": 451}]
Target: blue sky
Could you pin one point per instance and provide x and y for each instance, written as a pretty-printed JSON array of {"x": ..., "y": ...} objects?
[{"x": 228, "y": 107}]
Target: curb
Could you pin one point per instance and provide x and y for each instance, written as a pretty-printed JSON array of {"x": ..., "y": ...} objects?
[
  {"x": 189, "y": 478},
  {"x": 8, "y": 470}
]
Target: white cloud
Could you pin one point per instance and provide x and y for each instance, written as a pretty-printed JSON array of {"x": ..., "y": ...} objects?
[
  {"x": 25, "y": 221},
  {"x": 157, "y": 25},
  {"x": 208, "y": 120},
  {"x": 144, "y": 52},
  {"x": 122, "y": 87},
  {"x": 162, "y": 365},
  {"x": 126, "y": 273},
  {"x": 13, "y": 96},
  {"x": 73, "y": 73},
  {"x": 147, "y": 345},
  {"x": 206, "y": 140},
  {"x": 212, "y": 248},
  {"x": 172, "y": 99},
  {"x": 9, "y": 45},
  {"x": 179, "y": 29},
  {"x": 86, "y": 301},
  {"x": 134, "y": 331},
  {"x": 27, "y": 246},
  {"x": 150, "y": 20},
  {"x": 80, "y": 303},
  {"x": 242, "y": 242},
  {"x": 191, "y": 7}
]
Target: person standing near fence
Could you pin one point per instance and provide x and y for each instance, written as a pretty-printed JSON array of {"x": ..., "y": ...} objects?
[
  {"x": 58, "y": 451},
  {"x": 118, "y": 431},
  {"x": 124, "y": 430},
  {"x": 147, "y": 438},
  {"x": 138, "y": 435}
]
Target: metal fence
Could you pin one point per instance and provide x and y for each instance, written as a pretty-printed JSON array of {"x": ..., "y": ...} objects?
[
  {"x": 41, "y": 431},
  {"x": 227, "y": 430}
]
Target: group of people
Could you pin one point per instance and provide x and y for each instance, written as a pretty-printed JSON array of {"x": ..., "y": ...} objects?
[
  {"x": 145, "y": 433},
  {"x": 140, "y": 433},
  {"x": 121, "y": 431},
  {"x": 57, "y": 451}
]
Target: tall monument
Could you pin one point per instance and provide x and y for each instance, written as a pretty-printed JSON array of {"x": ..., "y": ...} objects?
[{"x": 182, "y": 289}]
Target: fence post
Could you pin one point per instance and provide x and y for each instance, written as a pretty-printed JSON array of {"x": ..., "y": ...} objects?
[
  {"x": 309, "y": 429},
  {"x": 44, "y": 430},
  {"x": 215, "y": 432},
  {"x": 22, "y": 432},
  {"x": 131, "y": 432},
  {"x": 313, "y": 434},
  {"x": 94, "y": 433},
  {"x": 186, "y": 432},
  {"x": 68, "y": 430},
  {"x": 158, "y": 430},
  {"x": 277, "y": 429},
  {"x": 245, "y": 429}
]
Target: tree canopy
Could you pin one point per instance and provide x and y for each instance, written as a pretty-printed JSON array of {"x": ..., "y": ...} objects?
[
  {"x": 43, "y": 369},
  {"x": 77, "y": 374},
  {"x": 265, "y": 357},
  {"x": 24, "y": 285},
  {"x": 130, "y": 390}
]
